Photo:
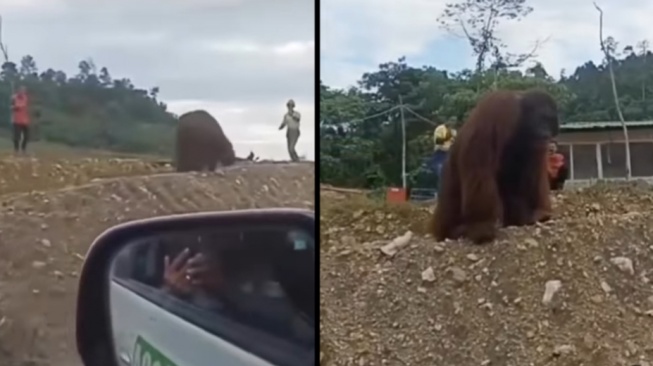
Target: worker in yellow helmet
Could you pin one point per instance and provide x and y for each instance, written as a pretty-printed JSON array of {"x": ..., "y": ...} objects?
[{"x": 443, "y": 137}]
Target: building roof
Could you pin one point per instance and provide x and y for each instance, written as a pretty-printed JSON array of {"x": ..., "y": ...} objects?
[{"x": 588, "y": 126}]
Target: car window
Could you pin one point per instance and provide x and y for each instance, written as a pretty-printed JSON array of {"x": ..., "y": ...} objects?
[{"x": 266, "y": 290}]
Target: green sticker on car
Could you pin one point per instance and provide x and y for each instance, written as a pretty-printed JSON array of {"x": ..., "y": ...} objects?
[{"x": 147, "y": 355}]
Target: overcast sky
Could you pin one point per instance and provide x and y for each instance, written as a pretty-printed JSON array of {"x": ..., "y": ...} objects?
[
  {"x": 357, "y": 35},
  {"x": 239, "y": 59}
]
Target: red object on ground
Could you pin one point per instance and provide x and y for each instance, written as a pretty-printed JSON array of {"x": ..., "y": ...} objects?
[{"x": 396, "y": 195}]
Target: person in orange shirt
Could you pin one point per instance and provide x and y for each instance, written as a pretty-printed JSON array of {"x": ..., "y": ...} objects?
[
  {"x": 20, "y": 119},
  {"x": 558, "y": 171}
]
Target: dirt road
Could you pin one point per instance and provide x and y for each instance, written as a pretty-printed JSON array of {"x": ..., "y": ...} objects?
[{"x": 44, "y": 236}]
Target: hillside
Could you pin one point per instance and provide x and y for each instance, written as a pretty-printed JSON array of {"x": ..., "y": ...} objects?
[
  {"x": 54, "y": 206},
  {"x": 360, "y": 133},
  {"x": 91, "y": 109}
]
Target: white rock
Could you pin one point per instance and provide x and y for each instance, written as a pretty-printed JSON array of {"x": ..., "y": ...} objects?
[
  {"x": 428, "y": 275},
  {"x": 606, "y": 288},
  {"x": 550, "y": 289},
  {"x": 394, "y": 246},
  {"x": 563, "y": 350},
  {"x": 472, "y": 257},
  {"x": 624, "y": 264}
]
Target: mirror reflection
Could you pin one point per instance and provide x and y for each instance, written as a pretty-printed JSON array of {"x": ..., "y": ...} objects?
[{"x": 231, "y": 296}]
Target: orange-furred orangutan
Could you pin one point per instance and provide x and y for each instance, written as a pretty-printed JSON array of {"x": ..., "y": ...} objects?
[{"x": 496, "y": 172}]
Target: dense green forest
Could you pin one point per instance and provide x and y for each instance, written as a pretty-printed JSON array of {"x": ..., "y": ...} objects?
[
  {"x": 90, "y": 109},
  {"x": 360, "y": 132}
]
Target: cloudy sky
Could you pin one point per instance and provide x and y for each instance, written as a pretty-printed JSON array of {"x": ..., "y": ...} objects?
[
  {"x": 239, "y": 59},
  {"x": 357, "y": 35}
]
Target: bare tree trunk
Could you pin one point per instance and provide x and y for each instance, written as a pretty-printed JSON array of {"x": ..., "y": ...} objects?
[
  {"x": 643, "y": 47},
  {"x": 5, "y": 53},
  {"x": 608, "y": 59}
]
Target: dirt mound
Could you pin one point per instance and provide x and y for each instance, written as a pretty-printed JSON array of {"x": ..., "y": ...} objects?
[
  {"x": 26, "y": 174},
  {"x": 453, "y": 303},
  {"x": 44, "y": 236}
]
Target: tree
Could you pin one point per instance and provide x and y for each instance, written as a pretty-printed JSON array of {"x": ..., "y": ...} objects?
[
  {"x": 154, "y": 92},
  {"x": 89, "y": 110},
  {"x": 105, "y": 77},
  {"x": 643, "y": 47},
  {"x": 28, "y": 66},
  {"x": 478, "y": 20},
  {"x": 608, "y": 47},
  {"x": 6, "y": 73}
]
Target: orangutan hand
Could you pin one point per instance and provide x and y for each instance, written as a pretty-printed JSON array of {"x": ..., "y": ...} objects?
[{"x": 542, "y": 216}]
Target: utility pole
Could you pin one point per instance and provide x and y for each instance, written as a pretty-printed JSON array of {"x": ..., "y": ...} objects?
[{"x": 403, "y": 142}]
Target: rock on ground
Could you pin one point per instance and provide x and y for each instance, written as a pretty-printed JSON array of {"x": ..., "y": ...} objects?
[{"x": 454, "y": 303}]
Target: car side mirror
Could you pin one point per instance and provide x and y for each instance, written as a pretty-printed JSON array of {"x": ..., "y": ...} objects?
[{"x": 228, "y": 288}]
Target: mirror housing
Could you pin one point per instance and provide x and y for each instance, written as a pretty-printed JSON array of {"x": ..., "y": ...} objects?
[{"x": 94, "y": 335}]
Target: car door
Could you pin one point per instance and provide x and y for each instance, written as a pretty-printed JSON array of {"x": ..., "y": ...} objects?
[{"x": 153, "y": 327}]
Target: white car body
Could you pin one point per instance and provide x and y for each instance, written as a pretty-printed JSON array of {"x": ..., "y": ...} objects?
[{"x": 147, "y": 335}]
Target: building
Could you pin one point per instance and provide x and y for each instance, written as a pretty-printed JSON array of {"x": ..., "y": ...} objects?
[{"x": 596, "y": 150}]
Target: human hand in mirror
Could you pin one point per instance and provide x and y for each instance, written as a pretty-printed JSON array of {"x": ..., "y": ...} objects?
[{"x": 183, "y": 274}]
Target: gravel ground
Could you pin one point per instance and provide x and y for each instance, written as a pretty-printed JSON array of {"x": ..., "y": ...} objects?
[{"x": 575, "y": 291}]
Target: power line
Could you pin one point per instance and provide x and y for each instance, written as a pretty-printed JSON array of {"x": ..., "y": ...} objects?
[
  {"x": 374, "y": 115},
  {"x": 387, "y": 111},
  {"x": 402, "y": 108},
  {"x": 419, "y": 116},
  {"x": 380, "y": 113}
]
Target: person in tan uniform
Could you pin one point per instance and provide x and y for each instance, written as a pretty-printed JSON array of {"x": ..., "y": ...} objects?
[{"x": 291, "y": 123}]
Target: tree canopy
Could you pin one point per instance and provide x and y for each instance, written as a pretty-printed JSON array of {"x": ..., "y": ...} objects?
[
  {"x": 91, "y": 109},
  {"x": 362, "y": 147}
]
